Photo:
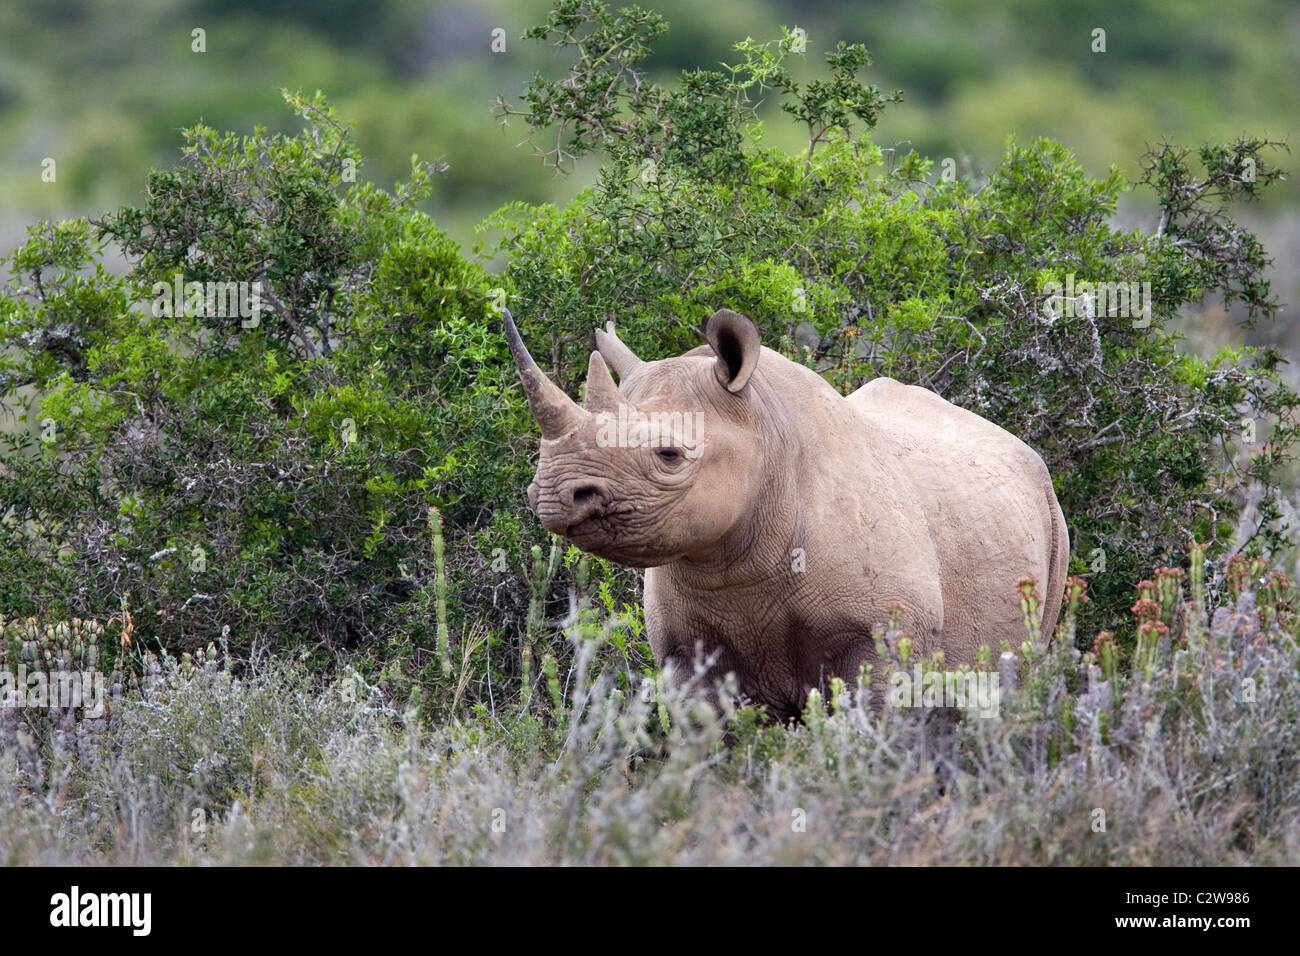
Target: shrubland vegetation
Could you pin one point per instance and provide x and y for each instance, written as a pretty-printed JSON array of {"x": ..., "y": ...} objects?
[
  {"x": 1186, "y": 757},
  {"x": 80, "y": 82},
  {"x": 337, "y": 635}
]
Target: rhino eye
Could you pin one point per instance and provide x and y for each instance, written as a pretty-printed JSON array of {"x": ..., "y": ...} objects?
[{"x": 669, "y": 455}]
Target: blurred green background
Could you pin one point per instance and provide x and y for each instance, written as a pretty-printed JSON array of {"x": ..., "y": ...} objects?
[{"x": 104, "y": 87}]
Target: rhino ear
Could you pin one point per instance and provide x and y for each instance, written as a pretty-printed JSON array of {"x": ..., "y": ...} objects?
[{"x": 734, "y": 340}]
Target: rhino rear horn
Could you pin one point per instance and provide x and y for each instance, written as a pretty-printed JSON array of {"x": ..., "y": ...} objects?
[
  {"x": 620, "y": 358},
  {"x": 734, "y": 340},
  {"x": 556, "y": 413},
  {"x": 602, "y": 394}
]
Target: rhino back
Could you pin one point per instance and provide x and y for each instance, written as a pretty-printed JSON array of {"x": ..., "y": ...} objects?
[{"x": 989, "y": 504}]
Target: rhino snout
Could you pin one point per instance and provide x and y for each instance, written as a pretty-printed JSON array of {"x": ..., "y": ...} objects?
[{"x": 572, "y": 504}]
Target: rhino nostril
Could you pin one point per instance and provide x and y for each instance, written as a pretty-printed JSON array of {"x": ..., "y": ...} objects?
[{"x": 585, "y": 494}]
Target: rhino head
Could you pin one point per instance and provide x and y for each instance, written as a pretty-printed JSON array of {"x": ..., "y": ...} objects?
[{"x": 661, "y": 466}]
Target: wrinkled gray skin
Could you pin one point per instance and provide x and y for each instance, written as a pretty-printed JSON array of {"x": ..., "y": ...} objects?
[{"x": 893, "y": 495}]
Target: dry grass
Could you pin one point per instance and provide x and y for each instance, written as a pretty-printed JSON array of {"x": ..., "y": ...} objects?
[{"x": 202, "y": 766}]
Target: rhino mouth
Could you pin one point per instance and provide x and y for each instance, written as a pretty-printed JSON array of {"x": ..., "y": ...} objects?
[
  {"x": 593, "y": 529},
  {"x": 600, "y": 531}
]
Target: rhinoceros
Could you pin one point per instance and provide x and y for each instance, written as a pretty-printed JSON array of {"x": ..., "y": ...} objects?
[{"x": 778, "y": 520}]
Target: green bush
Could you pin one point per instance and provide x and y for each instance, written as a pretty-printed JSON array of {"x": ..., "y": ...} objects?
[
  {"x": 867, "y": 264},
  {"x": 273, "y": 476}
]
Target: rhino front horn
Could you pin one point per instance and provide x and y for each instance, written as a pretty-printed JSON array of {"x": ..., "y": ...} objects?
[{"x": 556, "y": 413}]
